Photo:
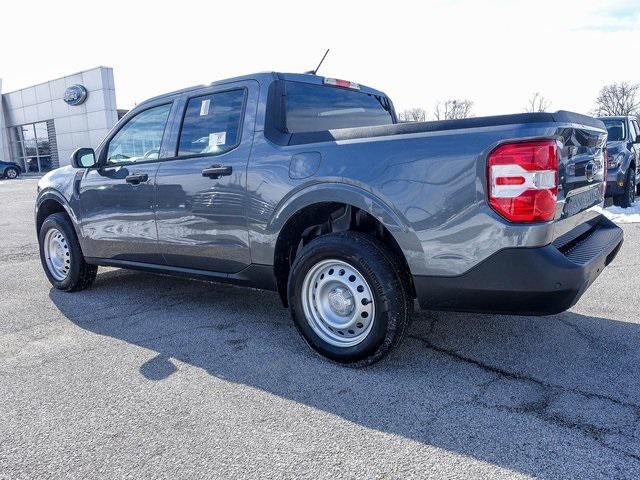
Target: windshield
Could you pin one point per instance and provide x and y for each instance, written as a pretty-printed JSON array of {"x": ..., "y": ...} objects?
[
  {"x": 315, "y": 108},
  {"x": 615, "y": 129}
]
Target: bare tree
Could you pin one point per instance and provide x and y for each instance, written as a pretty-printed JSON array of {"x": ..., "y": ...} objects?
[
  {"x": 416, "y": 114},
  {"x": 453, "y": 109},
  {"x": 537, "y": 103},
  {"x": 618, "y": 99}
]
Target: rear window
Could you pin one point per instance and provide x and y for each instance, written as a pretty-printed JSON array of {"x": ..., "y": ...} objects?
[
  {"x": 314, "y": 108},
  {"x": 615, "y": 130}
]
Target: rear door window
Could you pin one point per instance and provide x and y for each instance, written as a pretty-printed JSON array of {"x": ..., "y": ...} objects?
[
  {"x": 315, "y": 108},
  {"x": 211, "y": 124}
]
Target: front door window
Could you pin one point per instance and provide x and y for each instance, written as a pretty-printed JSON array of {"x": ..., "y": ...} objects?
[{"x": 140, "y": 139}]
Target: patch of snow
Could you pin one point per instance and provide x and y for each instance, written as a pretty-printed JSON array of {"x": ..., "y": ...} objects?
[{"x": 622, "y": 215}]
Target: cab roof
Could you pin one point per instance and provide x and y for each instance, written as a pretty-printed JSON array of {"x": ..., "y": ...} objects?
[{"x": 261, "y": 78}]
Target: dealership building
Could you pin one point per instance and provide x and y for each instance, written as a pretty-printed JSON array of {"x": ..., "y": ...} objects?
[{"x": 41, "y": 125}]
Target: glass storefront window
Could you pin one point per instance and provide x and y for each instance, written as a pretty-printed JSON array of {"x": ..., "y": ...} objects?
[{"x": 30, "y": 146}]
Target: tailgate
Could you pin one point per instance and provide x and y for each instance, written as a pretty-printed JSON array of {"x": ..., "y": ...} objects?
[{"x": 581, "y": 166}]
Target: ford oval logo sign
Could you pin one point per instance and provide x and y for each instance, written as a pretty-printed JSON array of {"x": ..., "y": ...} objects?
[{"x": 75, "y": 95}]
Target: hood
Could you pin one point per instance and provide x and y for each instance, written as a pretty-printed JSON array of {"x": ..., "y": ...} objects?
[{"x": 59, "y": 179}]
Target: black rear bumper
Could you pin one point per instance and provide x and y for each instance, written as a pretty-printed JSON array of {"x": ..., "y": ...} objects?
[{"x": 534, "y": 281}]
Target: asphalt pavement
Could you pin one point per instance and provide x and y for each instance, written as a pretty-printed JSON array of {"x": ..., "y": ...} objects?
[{"x": 146, "y": 376}]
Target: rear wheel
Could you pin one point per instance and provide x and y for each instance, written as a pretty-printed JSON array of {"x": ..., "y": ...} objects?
[
  {"x": 11, "y": 173},
  {"x": 62, "y": 257},
  {"x": 628, "y": 196},
  {"x": 348, "y": 298}
]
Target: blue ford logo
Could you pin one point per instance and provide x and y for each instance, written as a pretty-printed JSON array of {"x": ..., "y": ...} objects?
[{"x": 75, "y": 95}]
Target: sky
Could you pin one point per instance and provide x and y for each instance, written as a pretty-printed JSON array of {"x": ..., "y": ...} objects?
[{"x": 496, "y": 53}]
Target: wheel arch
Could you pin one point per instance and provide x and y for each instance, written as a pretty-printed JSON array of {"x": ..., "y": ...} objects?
[
  {"x": 49, "y": 202},
  {"x": 338, "y": 207}
]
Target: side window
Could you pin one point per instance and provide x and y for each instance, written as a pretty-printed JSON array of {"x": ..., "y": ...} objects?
[
  {"x": 211, "y": 124},
  {"x": 636, "y": 128},
  {"x": 140, "y": 138}
]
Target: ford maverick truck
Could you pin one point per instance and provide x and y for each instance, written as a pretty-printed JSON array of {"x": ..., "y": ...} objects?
[{"x": 309, "y": 187}]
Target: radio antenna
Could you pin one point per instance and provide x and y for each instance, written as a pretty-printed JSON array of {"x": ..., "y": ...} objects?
[{"x": 313, "y": 72}]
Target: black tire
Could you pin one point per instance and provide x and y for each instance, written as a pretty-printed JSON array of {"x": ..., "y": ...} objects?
[
  {"x": 628, "y": 196},
  {"x": 11, "y": 172},
  {"x": 392, "y": 300},
  {"x": 80, "y": 274}
]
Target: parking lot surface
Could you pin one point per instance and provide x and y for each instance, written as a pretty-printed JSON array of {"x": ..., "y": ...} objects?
[{"x": 145, "y": 376}]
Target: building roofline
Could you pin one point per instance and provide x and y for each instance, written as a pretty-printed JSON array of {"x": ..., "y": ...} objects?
[{"x": 57, "y": 78}]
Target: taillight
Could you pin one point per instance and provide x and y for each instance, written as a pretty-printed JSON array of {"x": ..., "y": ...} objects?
[{"x": 523, "y": 180}]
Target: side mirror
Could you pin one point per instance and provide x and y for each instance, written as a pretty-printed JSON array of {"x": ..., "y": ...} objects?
[{"x": 84, "y": 158}]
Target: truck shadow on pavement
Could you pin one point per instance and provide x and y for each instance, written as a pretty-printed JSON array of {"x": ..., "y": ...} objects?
[{"x": 545, "y": 396}]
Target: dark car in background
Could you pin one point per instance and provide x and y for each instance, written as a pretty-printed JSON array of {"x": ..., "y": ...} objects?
[
  {"x": 9, "y": 170},
  {"x": 623, "y": 149}
]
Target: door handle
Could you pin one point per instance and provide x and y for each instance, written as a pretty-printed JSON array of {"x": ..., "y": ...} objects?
[
  {"x": 217, "y": 171},
  {"x": 137, "y": 178}
]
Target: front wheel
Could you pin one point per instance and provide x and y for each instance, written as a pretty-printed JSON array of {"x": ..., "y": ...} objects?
[
  {"x": 628, "y": 196},
  {"x": 348, "y": 298},
  {"x": 62, "y": 257}
]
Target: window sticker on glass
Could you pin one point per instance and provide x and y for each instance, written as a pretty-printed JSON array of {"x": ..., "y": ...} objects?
[
  {"x": 217, "y": 138},
  {"x": 204, "y": 107},
  {"x": 211, "y": 124}
]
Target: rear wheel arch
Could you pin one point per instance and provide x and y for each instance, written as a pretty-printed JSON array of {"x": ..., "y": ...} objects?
[{"x": 313, "y": 219}]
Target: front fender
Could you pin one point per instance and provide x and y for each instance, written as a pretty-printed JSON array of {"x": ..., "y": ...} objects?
[
  {"x": 352, "y": 195},
  {"x": 53, "y": 195}
]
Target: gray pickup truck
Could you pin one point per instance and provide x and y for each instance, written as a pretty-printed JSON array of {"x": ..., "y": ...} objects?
[{"x": 309, "y": 186}]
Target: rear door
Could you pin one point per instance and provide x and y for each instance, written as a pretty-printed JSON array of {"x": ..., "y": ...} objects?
[{"x": 202, "y": 198}]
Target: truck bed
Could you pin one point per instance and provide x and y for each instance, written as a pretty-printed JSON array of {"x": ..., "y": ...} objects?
[{"x": 443, "y": 125}]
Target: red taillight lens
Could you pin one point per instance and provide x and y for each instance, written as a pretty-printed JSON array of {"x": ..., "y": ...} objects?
[{"x": 523, "y": 180}]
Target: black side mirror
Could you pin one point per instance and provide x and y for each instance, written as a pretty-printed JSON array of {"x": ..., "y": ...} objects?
[{"x": 84, "y": 158}]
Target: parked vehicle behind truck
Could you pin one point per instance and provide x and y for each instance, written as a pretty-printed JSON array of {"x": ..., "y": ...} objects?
[
  {"x": 308, "y": 186},
  {"x": 623, "y": 148},
  {"x": 9, "y": 170}
]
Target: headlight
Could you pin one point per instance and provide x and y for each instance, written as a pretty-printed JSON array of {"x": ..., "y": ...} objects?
[{"x": 616, "y": 160}]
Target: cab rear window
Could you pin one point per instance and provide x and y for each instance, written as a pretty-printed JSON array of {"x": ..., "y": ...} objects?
[{"x": 316, "y": 108}]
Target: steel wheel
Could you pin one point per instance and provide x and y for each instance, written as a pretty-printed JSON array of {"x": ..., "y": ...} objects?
[
  {"x": 632, "y": 185},
  {"x": 57, "y": 254},
  {"x": 11, "y": 173},
  {"x": 338, "y": 303}
]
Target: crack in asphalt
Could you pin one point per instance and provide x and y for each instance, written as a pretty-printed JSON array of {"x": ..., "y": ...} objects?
[{"x": 549, "y": 393}]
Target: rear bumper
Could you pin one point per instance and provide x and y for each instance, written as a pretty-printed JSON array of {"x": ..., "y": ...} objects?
[{"x": 534, "y": 281}]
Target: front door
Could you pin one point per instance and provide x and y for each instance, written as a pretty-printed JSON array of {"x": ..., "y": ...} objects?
[
  {"x": 201, "y": 212},
  {"x": 117, "y": 200}
]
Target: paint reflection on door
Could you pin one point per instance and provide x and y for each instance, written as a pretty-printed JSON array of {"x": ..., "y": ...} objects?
[{"x": 201, "y": 213}]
